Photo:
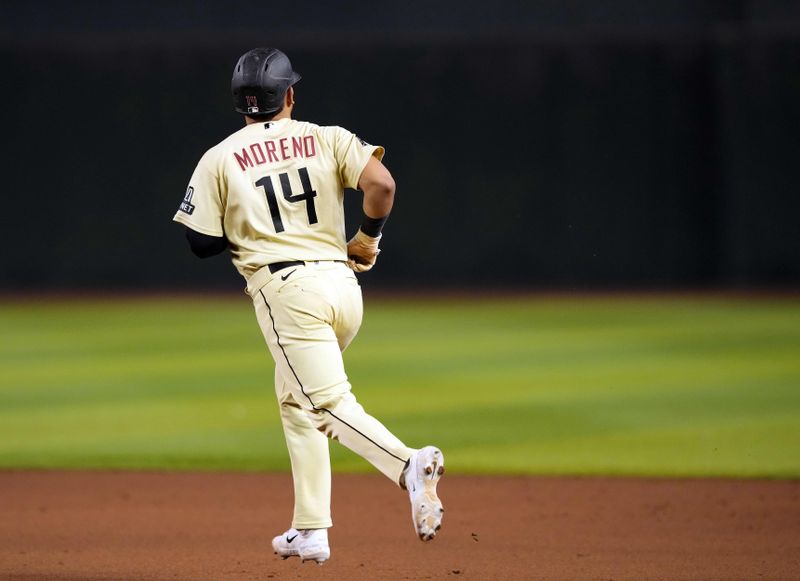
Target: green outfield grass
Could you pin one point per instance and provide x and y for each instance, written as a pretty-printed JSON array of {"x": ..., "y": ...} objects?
[{"x": 600, "y": 385}]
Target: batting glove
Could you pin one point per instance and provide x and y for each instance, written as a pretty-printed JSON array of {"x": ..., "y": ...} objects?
[{"x": 362, "y": 251}]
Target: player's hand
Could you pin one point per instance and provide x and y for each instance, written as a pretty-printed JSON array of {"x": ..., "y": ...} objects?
[{"x": 362, "y": 252}]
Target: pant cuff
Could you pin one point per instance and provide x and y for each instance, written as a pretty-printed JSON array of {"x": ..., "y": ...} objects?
[{"x": 320, "y": 524}]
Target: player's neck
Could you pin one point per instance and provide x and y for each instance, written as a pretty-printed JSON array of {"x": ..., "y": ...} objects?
[{"x": 282, "y": 115}]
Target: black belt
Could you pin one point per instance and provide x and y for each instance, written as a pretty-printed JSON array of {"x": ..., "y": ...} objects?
[{"x": 276, "y": 266}]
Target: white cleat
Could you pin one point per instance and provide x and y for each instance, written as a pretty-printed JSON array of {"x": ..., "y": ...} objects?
[
  {"x": 309, "y": 545},
  {"x": 421, "y": 476}
]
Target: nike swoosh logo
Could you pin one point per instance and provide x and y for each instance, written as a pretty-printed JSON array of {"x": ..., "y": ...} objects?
[
  {"x": 283, "y": 278},
  {"x": 290, "y": 539}
]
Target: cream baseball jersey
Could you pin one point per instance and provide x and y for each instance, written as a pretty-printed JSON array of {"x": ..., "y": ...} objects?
[{"x": 275, "y": 190}]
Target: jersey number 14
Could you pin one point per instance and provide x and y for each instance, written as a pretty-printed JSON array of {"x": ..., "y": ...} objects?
[{"x": 307, "y": 196}]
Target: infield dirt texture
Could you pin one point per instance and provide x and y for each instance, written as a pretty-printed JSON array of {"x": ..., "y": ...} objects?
[
  {"x": 190, "y": 526},
  {"x": 701, "y": 387}
]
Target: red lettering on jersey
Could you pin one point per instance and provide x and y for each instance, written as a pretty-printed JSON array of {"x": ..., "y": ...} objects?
[
  {"x": 259, "y": 156},
  {"x": 244, "y": 159},
  {"x": 271, "y": 150},
  {"x": 297, "y": 147},
  {"x": 310, "y": 146}
]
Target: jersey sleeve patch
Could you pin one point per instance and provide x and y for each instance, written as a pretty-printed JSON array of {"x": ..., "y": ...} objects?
[
  {"x": 186, "y": 205},
  {"x": 202, "y": 207}
]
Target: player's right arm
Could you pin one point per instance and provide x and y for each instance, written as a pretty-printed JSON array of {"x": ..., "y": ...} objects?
[
  {"x": 360, "y": 167},
  {"x": 378, "y": 186}
]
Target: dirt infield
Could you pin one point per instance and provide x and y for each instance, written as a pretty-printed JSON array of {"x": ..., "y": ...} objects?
[{"x": 192, "y": 526}]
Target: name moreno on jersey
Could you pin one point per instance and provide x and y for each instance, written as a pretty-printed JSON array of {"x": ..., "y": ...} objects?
[
  {"x": 300, "y": 147},
  {"x": 276, "y": 191}
]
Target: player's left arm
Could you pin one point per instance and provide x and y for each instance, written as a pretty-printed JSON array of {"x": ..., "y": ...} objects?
[
  {"x": 202, "y": 210},
  {"x": 204, "y": 245}
]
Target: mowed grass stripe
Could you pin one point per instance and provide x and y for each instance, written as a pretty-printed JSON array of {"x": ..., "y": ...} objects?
[{"x": 650, "y": 385}]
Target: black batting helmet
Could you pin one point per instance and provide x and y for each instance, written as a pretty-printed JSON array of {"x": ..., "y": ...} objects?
[{"x": 260, "y": 80}]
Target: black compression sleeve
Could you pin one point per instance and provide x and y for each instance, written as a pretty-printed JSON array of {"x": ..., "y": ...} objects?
[{"x": 204, "y": 245}]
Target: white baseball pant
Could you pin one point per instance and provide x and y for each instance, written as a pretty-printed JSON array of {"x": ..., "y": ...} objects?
[{"x": 308, "y": 319}]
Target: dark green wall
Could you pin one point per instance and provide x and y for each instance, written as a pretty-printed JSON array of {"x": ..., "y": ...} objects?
[{"x": 542, "y": 146}]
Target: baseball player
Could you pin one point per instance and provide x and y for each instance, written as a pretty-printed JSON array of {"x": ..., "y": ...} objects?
[{"x": 272, "y": 193}]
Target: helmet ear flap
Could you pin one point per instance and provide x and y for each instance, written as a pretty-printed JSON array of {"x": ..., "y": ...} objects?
[{"x": 260, "y": 80}]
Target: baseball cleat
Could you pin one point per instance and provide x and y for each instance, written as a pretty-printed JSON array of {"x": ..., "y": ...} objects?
[
  {"x": 420, "y": 477},
  {"x": 309, "y": 545}
]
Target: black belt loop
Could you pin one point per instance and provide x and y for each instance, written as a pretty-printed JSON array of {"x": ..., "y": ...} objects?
[{"x": 276, "y": 266}]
